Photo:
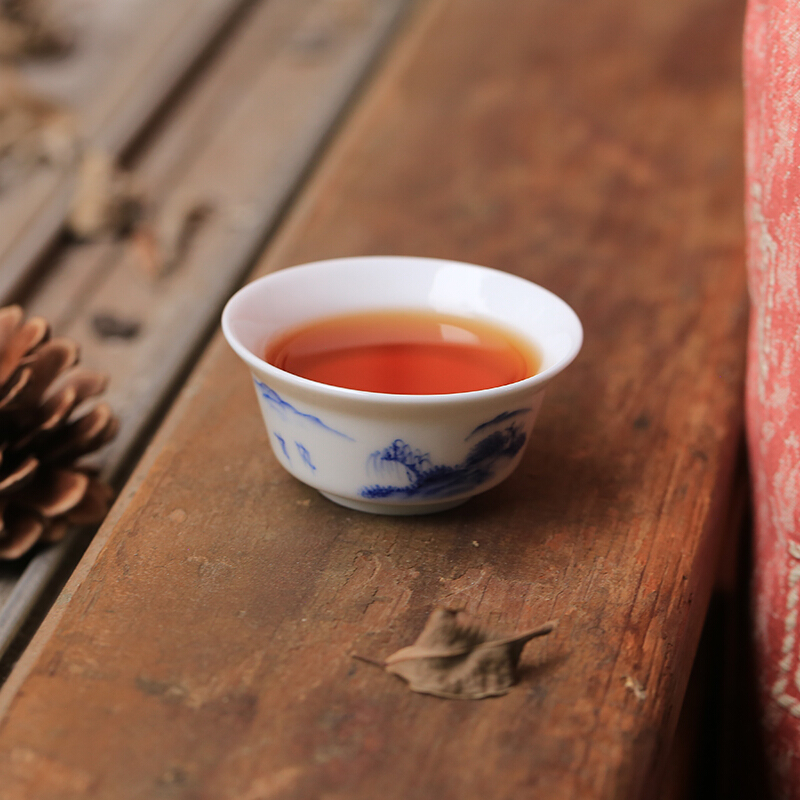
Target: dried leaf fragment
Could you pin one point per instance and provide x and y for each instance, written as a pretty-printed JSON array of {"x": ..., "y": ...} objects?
[
  {"x": 34, "y": 131},
  {"x": 34, "y": 28},
  {"x": 106, "y": 200},
  {"x": 164, "y": 238},
  {"x": 456, "y": 659},
  {"x": 639, "y": 692},
  {"x": 112, "y": 326}
]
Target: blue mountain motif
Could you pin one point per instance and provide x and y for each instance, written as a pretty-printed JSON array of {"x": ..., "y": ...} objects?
[
  {"x": 284, "y": 408},
  {"x": 503, "y": 417},
  {"x": 427, "y": 480}
]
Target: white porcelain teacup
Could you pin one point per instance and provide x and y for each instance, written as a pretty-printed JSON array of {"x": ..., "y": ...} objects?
[{"x": 393, "y": 453}]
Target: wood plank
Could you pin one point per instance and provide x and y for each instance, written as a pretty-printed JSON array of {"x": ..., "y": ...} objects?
[
  {"x": 204, "y": 645},
  {"x": 122, "y": 69},
  {"x": 241, "y": 141},
  {"x": 194, "y": 117}
]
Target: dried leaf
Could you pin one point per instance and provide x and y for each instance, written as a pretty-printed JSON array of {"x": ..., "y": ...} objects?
[
  {"x": 34, "y": 28},
  {"x": 456, "y": 659},
  {"x": 106, "y": 201},
  {"x": 112, "y": 326},
  {"x": 639, "y": 692},
  {"x": 33, "y": 130},
  {"x": 163, "y": 240}
]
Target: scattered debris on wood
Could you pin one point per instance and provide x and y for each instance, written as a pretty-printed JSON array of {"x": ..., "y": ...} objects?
[
  {"x": 106, "y": 200},
  {"x": 112, "y": 326},
  {"x": 636, "y": 687},
  {"x": 165, "y": 235},
  {"x": 36, "y": 28},
  {"x": 36, "y": 131},
  {"x": 456, "y": 659},
  {"x": 33, "y": 131}
]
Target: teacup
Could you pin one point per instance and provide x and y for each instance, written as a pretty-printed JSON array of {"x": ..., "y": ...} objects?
[{"x": 398, "y": 453}]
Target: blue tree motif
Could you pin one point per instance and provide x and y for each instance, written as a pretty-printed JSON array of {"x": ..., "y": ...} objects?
[
  {"x": 441, "y": 480},
  {"x": 283, "y": 446},
  {"x": 305, "y": 455},
  {"x": 415, "y": 461}
]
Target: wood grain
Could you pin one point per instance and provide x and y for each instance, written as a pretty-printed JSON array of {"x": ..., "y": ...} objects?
[
  {"x": 129, "y": 56},
  {"x": 240, "y": 140},
  {"x": 203, "y": 649}
]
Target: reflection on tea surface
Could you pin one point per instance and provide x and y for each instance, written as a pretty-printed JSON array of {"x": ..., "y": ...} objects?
[{"x": 404, "y": 352}]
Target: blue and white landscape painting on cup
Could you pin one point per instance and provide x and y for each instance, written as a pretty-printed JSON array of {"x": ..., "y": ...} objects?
[{"x": 404, "y": 471}]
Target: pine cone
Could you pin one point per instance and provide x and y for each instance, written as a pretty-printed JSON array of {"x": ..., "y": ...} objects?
[{"x": 44, "y": 432}]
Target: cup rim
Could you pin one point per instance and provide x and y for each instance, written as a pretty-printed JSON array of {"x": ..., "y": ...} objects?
[{"x": 361, "y": 396}]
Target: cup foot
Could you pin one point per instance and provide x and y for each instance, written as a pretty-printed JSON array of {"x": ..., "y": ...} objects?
[{"x": 396, "y": 509}]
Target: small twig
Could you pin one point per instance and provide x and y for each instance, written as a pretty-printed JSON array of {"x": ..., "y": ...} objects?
[{"x": 368, "y": 660}]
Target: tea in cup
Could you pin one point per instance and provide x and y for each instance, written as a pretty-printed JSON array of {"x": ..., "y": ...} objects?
[{"x": 395, "y": 384}]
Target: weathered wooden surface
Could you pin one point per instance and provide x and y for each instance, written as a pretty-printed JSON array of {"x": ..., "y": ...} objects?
[
  {"x": 129, "y": 56},
  {"x": 239, "y": 141},
  {"x": 203, "y": 649}
]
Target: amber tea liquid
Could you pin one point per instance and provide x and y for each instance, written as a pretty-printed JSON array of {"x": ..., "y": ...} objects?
[{"x": 404, "y": 352}]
